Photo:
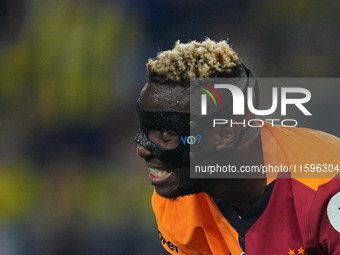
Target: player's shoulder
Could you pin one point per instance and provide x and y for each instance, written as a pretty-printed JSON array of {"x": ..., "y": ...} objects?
[
  {"x": 326, "y": 191},
  {"x": 306, "y": 135},
  {"x": 323, "y": 217},
  {"x": 317, "y": 187},
  {"x": 319, "y": 192}
]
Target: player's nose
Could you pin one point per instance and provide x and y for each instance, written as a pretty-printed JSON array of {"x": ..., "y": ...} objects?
[{"x": 142, "y": 151}]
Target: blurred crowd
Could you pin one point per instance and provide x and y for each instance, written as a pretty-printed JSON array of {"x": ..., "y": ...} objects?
[{"x": 70, "y": 73}]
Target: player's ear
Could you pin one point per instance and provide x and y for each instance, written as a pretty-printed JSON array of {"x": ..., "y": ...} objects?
[{"x": 227, "y": 137}]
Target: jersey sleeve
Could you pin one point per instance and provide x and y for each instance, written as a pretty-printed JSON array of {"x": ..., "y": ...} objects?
[
  {"x": 329, "y": 235},
  {"x": 325, "y": 217}
]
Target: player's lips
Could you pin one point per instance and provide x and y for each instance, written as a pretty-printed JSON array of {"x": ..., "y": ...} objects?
[
  {"x": 158, "y": 176},
  {"x": 159, "y": 171}
]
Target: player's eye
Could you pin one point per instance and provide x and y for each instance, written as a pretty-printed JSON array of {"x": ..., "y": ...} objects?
[
  {"x": 167, "y": 133},
  {"x": 165, "y": 138}
]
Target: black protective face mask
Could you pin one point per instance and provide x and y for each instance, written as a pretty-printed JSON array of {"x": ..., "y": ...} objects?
[
  {"x": 179, "y": 122},
  {"x": 174, "y": 121}
]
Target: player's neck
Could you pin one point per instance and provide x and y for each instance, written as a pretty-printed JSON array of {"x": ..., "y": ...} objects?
[{"x": 242, "y": 192}]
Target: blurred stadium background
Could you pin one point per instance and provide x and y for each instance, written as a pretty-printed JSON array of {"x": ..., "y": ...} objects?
[{"x": 70, "y": 73}]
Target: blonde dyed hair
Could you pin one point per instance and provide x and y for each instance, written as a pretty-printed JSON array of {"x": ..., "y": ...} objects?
[{"x": 193, "y": 60}]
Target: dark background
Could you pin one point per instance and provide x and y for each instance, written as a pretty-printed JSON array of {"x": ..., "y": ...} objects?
[{"x": 70, "y": 73}]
